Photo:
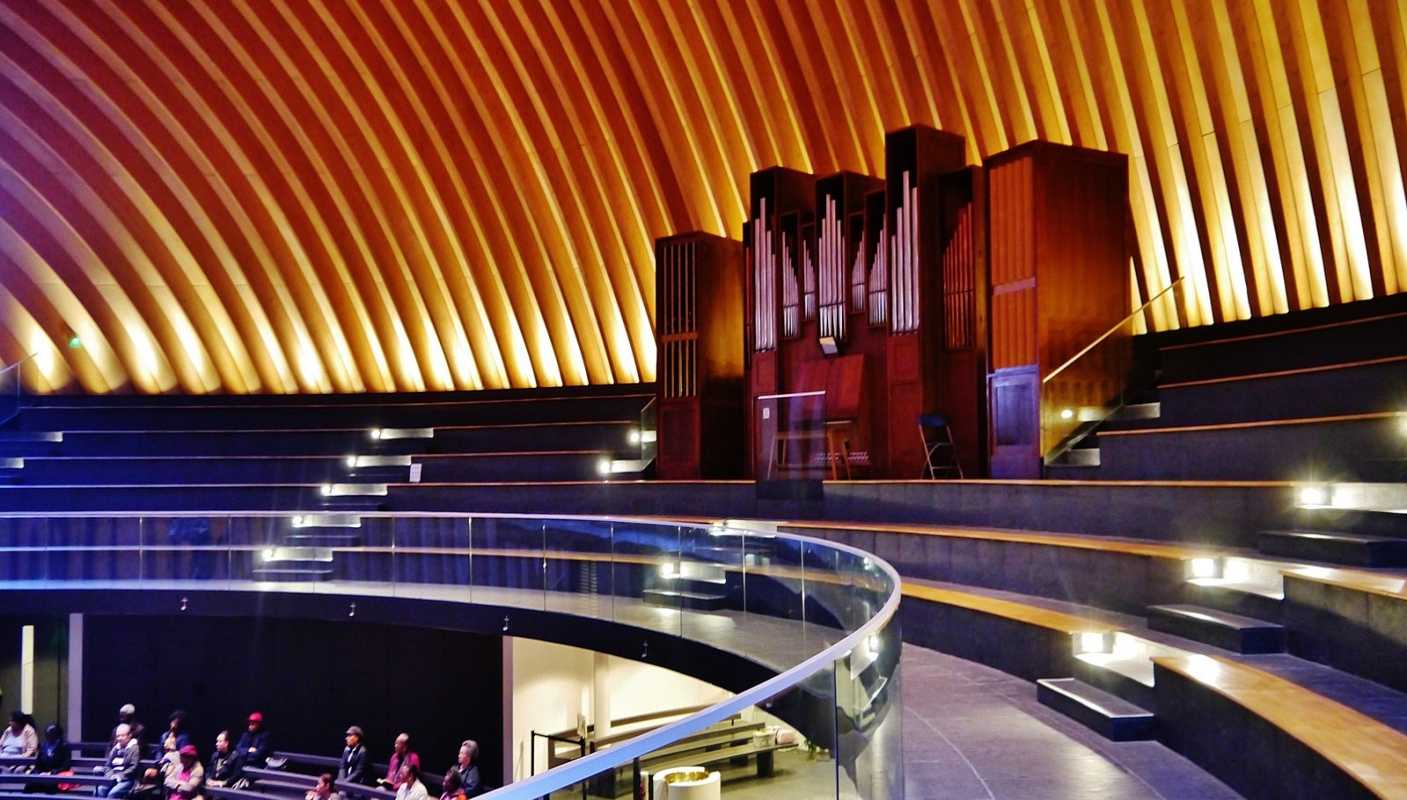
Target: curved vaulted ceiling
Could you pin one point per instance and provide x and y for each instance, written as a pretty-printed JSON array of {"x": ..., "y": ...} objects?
[{"x": 374, "y": 195}]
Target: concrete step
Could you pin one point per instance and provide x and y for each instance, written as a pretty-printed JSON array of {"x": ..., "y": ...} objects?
[
  {"x": 1080, "y": 457},
  {"x": 323, "y": 538},
  {"x": 1248, "y": 599},
  {"x": 1218, "y": 628},
  {"x": 1385, "y": 522},
  {"x": 683, "y": 598},
  {"x": 1335, "y": 547},
  {"x": 1111, "y": 717}
]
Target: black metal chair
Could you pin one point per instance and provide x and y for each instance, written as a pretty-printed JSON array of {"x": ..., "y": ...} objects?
[{"x": 937, "y": 436}]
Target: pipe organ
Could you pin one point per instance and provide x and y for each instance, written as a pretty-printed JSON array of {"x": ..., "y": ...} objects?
[
  {"x": 874, "y": 294},
  {"x": 699, "y": 329}
]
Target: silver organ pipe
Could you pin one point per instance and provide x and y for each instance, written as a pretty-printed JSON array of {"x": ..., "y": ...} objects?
[
  {"x": 879, "y": 279},
  {"x": 904, "y": 288},
  {"x": 764, "y": 267},
  {"x": 791, "y": 294},
  {"x": 857, "y": 278},
  {"x": 832, "y": 272}
]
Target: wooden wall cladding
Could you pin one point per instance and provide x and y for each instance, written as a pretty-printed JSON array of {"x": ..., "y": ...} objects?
[
  {"x": 700, "y": 334},
  {"x": 1059, "y": 264},
  {"x": 377, "y": 195}
]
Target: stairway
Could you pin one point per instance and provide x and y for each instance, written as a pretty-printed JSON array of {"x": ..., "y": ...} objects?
[
  {"x": 1307, "y": 394},
  {"x": 1228, "y": 631}
]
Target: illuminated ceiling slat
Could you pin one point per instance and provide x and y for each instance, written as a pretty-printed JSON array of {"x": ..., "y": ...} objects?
[{"x": 350, "y": 195}]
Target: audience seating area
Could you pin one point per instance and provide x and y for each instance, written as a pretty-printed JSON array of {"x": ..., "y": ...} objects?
[{"x": 343, "y": 452}]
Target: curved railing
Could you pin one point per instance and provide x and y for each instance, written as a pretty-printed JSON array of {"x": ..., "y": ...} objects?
[{"x": 817, "y": 616}]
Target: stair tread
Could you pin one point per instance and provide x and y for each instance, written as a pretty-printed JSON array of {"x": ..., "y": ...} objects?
[
  {"x": 1358, "y": 538},
  {"x": 1213, "y": 616},
  {"x": 1095, "y": 699}
]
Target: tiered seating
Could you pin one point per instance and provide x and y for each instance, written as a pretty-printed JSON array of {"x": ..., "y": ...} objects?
[
  {"x": 1184, "y": 642},
  {"x": 1311, "y": 395},
  {"x": 336, "y": 452}
]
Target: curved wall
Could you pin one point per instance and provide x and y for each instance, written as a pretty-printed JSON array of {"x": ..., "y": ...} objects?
[{"x": 348, "y": 196}]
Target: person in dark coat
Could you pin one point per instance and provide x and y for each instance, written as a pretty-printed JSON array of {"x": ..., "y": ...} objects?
[
  {"x": 176, "y": 731},
  {"x": 255, "y": 744},
  {"x": 356, "y": 765},
  {"x": 224, "y": 762},
  {"x": 467, "y": 768}
]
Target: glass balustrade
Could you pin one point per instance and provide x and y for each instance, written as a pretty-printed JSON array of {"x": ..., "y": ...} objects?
[{"x": 814, "y": 619}]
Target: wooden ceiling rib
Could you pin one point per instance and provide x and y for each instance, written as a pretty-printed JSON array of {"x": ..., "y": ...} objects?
[{"x": 414, "y": 195}]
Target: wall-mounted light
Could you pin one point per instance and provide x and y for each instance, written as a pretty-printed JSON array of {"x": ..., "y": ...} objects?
[
  {"x": 374, "y": 433},
  {"x": 326, "y": 489},
  {"x": 1311, "y": 496},
  {"x": 1067, "y": 413},
  {"x": 829, "y": 346},
  {"x": 268, "y": 554},
  {"x": 1087, "y": 642},
  {"x": 297, "y": 522},
  {"x": 351, "y": 461},
  {"x": 1204, "y": 568},
  {"x": 603, "y": 467}
]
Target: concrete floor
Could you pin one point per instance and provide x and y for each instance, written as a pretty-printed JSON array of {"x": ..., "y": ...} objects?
[{"x": 973, "y": 733}]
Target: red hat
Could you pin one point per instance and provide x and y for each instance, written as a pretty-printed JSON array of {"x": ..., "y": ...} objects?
[
  {"x": 256, "y": 717},
  {"x": 189, "y": 750}
]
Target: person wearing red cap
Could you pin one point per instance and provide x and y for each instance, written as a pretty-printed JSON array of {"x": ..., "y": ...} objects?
[
  {"x": 185, "y": 777},
  {"x": 255, "y": 746}
]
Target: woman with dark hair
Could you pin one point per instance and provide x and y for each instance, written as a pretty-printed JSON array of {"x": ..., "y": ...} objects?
[
  {"x": 19, "y": 738},
  {"x": 452, "y": 789},
  {"x": 176, "y": 731}
]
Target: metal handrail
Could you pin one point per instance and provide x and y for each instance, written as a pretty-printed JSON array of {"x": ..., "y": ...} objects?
[{"x": 1111, "y": 331}]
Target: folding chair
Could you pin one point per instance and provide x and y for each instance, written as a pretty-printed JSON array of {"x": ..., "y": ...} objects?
[{"x": 942, "y": 439}]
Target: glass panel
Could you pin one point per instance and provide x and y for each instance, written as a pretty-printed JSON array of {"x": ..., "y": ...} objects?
[
  {"x": 791, "y": 437},
  {"x": 579, "y": 572},
  {"x": 778, "y": 748},
  {"x": 426, "y": 554},
  {"x": 508, "y": 562},
  {"x": 869, "y": 718},
  {"x": 711, "y": 570},
  {"x": 645, "y": 563},
  {"x": 649, "y": 433},
  {"x": 10, "y": 392}
]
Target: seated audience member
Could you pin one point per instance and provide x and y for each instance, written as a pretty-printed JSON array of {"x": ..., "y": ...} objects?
[
  {"x": 19, "y": 738},
  {"x": 401, "y": 755},
  {"x": 450, "y": 786},
  {"x": 185, "y": 777},
  {"x": 323, "y": 789},
  {"x": 127, "y": 715},
  {"x": 123, "y": 761},
  {"x": 224, "y": 762},
  {"x": 255, "y": 745},
  {"x": 176, "y": 732},
  {"x": 467, "y": 767},
  {"x": 408, "y": 785},
  {"x": 355, "y": 766},
  {"x": 55, "y": 756}
]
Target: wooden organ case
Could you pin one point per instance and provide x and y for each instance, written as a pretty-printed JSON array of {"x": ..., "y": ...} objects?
[
  {"x": 773, "y": 255},
  {"x": 699, "y": 330},
  {"x": 1060, "y": 278},
  {"x": 934, "y": 303}
]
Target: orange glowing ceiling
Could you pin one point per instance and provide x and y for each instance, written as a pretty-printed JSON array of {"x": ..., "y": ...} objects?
[{"x": 376, "y": 195}]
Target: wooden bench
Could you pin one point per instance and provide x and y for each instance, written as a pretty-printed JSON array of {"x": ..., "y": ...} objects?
[{"x": 1371, "y": 753}]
